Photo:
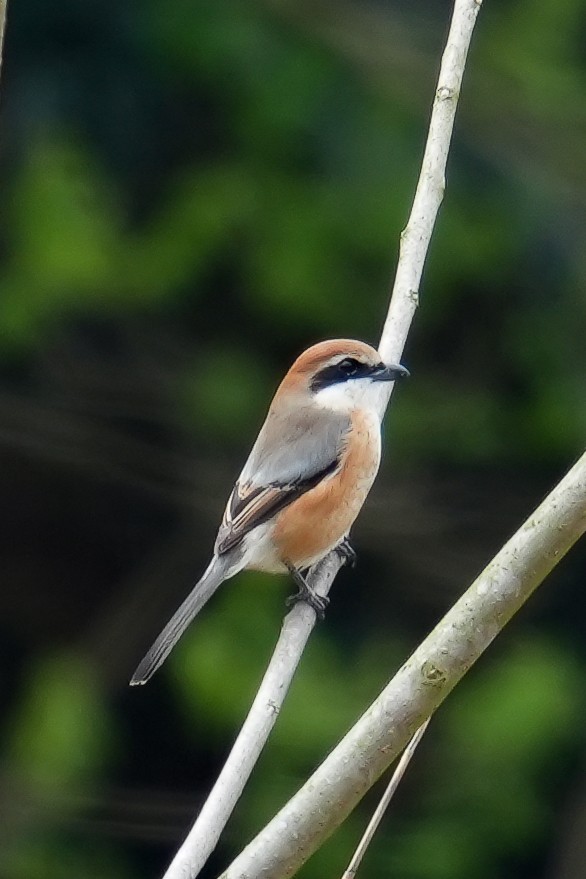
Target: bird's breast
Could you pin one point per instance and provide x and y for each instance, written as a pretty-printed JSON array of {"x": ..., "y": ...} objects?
[{"x": 318, "y": 520}]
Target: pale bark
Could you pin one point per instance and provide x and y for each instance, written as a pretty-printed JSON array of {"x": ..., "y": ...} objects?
[
  {"x": 3, "y": 4},
  {"x": 380, "y": 810}
]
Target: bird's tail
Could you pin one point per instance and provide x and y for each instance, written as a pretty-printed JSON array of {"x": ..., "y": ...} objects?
[{"x": 203, "y": 590}]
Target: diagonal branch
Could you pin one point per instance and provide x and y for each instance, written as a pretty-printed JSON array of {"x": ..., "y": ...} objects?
[
  {"x": 298, "y": 624},
  {"x": 420, "y": 686},
  {"x": 204, "y": 835}
]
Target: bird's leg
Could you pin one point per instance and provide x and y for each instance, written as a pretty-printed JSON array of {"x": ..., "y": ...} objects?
[
  {"x": 346, "y": 552},
  {"x": 306, "y": 593}
]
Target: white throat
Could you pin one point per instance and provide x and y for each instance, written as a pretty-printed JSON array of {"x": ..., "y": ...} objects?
[{"x": 359, "y": 393}]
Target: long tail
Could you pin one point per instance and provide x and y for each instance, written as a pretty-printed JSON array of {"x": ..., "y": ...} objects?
[{"x": 215, "y": 574}]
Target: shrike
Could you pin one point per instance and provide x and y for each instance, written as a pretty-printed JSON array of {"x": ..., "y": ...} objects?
[{"x": 306, "y": 478}]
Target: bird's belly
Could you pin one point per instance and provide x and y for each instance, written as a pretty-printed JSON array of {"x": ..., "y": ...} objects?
[
  {"x": 260, "y": 552},
  {"x": 316, "y": 522},
  {"x": 312, "y": 526}
]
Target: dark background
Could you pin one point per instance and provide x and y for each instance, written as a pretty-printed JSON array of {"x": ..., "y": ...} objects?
[{"x": 192, "y": 194}]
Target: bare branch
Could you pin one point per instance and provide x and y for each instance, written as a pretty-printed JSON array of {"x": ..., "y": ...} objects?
[
  {"x": 3, "y": 4},
  {"x": 429, "y": 194},
  {"x": 218, "y": 807},
  {"x": 386, "y": 798},
  {"x": 420, "y": 686},
  {"x": 298, "y": 624}
]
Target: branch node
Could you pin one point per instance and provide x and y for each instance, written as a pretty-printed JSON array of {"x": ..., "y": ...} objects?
[
  {"x": 446, "y": 93},
  {"x": 433, "y": 675}
]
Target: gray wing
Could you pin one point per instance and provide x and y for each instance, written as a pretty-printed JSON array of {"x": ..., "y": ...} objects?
[{"x": 308, "y": 450}]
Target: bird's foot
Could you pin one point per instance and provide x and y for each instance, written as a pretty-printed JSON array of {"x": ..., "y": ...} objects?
[
  {"x": 317, "y": 602},
  {"x": 307, "y": 594},
  {"x": 347, "y": 553}
]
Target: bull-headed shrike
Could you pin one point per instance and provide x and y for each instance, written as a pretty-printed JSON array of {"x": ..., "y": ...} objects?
[{"x": 305, "y": 481}]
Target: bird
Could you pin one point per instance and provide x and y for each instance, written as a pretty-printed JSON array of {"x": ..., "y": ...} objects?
[{"x": 305, "y": 480}]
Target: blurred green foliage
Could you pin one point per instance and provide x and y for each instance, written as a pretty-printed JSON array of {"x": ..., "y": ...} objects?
[
  {"x": 60, "y": 734},
  {"x": 193, "y": 193}
]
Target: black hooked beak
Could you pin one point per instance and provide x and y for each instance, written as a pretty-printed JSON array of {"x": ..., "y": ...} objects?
[{"x": 389, "y": 372}]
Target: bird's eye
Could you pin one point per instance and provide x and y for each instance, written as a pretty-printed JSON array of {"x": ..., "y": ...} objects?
[{"x": 349, "y": 366}]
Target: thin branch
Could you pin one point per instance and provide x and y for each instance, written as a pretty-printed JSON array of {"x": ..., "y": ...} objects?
[
  {"x": 386, "y": 798},
  {"x": 431, "y": 185},
  {"x": 204, "y": 835},
  {"x": 420, "y": 686},
  {"x": 298, "y": 624},
  {"x": 3, "y": 4}
]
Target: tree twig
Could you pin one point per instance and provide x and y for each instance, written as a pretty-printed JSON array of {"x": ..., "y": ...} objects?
[
  {"x": 416, "y": 236},
  {"x": 203, "y": 836},
  {"x": 3, "y": 4},
  {"x": 420, "y": 686},
  {"x": 298, "y": 624},
  {"x": 386, "y": 798}
]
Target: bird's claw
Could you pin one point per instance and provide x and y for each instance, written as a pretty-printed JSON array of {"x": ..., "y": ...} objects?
[
  {"x": 306, "y": 593},
  {"x": 347, "y": 553}
]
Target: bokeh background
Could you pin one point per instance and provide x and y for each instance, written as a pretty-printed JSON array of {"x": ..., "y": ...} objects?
[{"x": 192, "y": 193}]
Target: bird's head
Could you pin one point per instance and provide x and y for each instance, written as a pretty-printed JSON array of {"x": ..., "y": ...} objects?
[{"x": 342, "y": 375}]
